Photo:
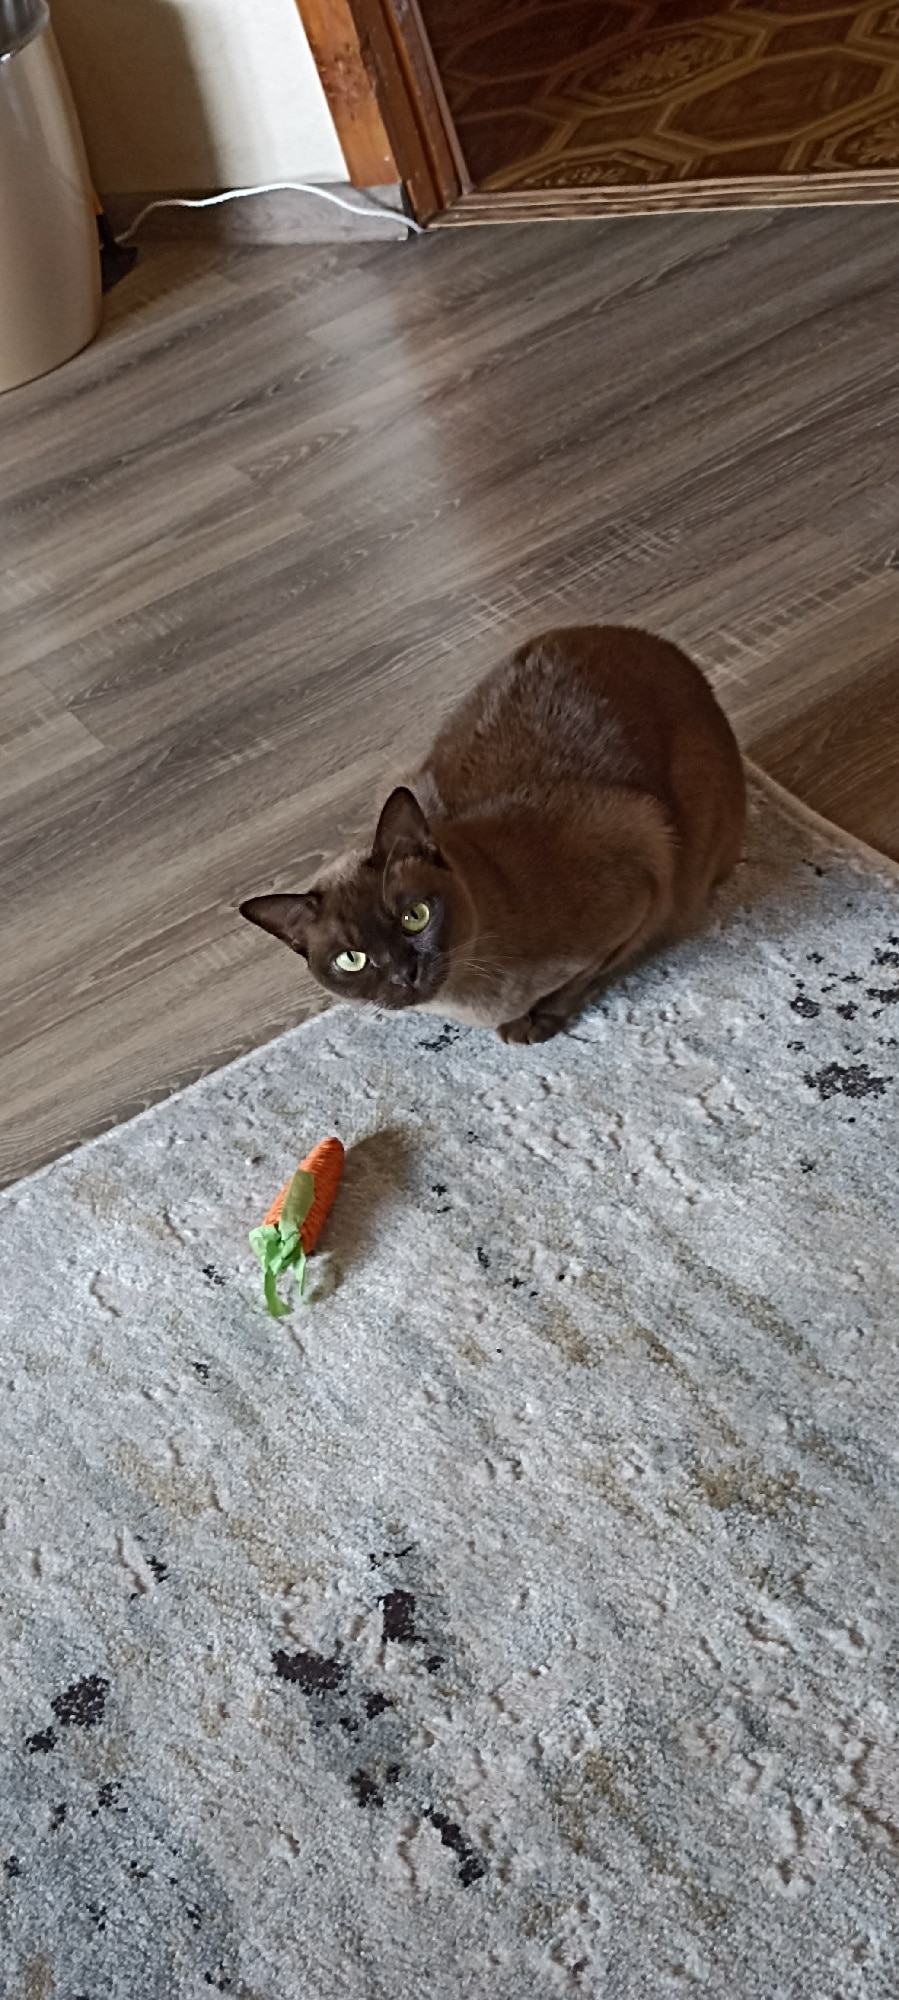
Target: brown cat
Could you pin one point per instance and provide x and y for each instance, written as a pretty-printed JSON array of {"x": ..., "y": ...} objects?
[{"x": 572, "y": 816}]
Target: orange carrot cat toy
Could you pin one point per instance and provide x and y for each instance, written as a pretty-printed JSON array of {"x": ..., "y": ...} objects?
[{"x": 295, "y": 1221}]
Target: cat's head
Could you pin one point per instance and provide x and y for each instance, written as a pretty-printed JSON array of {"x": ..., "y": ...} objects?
[{"x": 374, "y": 926}]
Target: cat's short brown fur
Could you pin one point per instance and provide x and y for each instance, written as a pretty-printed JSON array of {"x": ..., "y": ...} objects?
[{"x": 572, "y": 816}]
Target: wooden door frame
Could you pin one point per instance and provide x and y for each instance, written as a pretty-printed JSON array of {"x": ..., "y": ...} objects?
[
  {"x": 350, "y": 91},
  {"x": 386, "y": 99}
]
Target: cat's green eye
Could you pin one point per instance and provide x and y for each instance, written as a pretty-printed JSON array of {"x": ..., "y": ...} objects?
[
  {"x": 416, "y": 917},
  {"x": 351, "y": 961}
]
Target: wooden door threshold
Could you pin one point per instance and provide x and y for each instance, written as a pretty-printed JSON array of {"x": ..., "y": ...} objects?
[{"x": 480, "y": 205}]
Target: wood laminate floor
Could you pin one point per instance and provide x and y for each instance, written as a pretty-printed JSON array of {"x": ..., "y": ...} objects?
[{"x": 261, "y": 534}]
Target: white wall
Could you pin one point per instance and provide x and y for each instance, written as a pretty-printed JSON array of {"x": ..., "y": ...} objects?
[{"x": 196, "y": 93}]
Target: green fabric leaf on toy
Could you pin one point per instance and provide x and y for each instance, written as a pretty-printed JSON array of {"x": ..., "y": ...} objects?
[
  {"x": 279, "y": 1247},
  {"x": 298, "y": 1200}
]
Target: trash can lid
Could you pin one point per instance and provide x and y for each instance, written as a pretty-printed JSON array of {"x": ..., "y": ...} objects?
[{"x": 20, "y": 21}]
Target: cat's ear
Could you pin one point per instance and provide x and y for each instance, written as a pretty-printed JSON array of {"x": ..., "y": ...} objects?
[
  {"x": 402, "y": 829},
  {"x": 285, "y": 917}
]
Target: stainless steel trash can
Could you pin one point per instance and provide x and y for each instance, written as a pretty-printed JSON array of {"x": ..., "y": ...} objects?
[{"x": 49, "y": 251}]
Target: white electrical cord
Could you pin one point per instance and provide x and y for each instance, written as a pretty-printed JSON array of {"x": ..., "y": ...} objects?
[{"x": 375, "y": 208}]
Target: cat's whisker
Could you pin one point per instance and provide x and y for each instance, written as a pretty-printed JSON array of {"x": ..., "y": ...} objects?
[{"x": 474, "y": 963}]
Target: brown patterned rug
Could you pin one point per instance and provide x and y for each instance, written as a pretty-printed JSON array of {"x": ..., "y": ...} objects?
[{"x": 571, "y": 94}]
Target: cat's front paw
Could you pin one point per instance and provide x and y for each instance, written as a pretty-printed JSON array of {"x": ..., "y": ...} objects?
[{"x": 533, "y": 1027}]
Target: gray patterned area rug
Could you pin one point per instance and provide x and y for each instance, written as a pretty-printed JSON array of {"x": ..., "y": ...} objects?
[{"x": 520, "y": 1617}]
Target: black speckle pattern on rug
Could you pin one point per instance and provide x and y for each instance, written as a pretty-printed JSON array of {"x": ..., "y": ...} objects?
[{"x": 521, "y": 1616}]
